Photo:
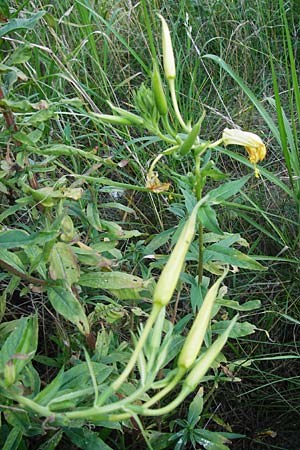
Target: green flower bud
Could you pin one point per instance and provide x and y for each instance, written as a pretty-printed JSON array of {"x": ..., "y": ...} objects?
[
  {"x": 114, "y": 120},
  {"x": 134, "y": 119},
  {"x": 205, "y": 362},
  {"x": 194, "y": 339},
  {"x": 168, "y": 55},
  {"x": 9, "y": 373},
  {"x": 191, "y": 138},
  {"x": 169, "y": 277},
  {"x": 158, "y": 90},
  {"x": 67, "y": 228}
]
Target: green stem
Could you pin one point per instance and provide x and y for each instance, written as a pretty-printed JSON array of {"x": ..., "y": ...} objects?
[
  {"x": 41, "y": 410},
  {"x": 166, "y": 390},
  {"x": 95, "y": 414},
  {"x": 166, "y": 409},
  {"x": 164, "y": 137},
  {"x": 130, "y": 365},
  {"x": 175, "y": 105},
  {"x": 165, "y": 121},
  {"x": 200, "y": 226}
]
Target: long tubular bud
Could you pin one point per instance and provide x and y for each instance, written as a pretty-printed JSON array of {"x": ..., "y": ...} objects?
[
  {"x": 195, "y": 337},
  {"x": 134, "y": 118},
  {"x": 205, "y": 362},
  {"x": 191, "y": 137},
  {"x": 167, "y": 282},
  {"x": 114, "y": 120},
  {"x": 168, "y": 55},
  {"x": 158, "y": 91}
]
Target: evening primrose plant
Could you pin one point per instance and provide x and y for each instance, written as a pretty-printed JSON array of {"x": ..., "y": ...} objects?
[
  {"x": 159, "y": 114},
  {"x": 167, "y": 363}
]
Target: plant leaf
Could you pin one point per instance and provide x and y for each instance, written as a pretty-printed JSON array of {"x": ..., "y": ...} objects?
[
  {"x": 20, "y": 346},
  {"x": 239, "y": 329},
  {"x": 65, "y": 303},
  {"x": 63, "y": 264},
  {"x": 227, "y": 190},
  {"x": 208, "y": 217},
  {"x": 231, "y": 256},
  {"x": 19, "y": 238},
  {"x": 19, "y": 24}
]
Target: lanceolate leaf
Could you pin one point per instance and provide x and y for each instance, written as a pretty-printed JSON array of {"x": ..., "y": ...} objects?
[
  {"x": 49, "y": 392},
  {"x": 227, "y": 190},
  {"x": 248, "y": 306},
  {"x": 208, "y": 217},
  {"x": 232, "y": 256},
  {"x": 12, "y": 260},
  {"x": 19, "y": 238},
  {"x": 65, "y": 303}
]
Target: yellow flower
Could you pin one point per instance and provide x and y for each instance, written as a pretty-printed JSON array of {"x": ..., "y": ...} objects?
[{"x": 253, "y": 144}]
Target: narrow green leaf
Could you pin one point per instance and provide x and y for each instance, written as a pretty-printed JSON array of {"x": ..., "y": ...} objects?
[
  {"x": 112, "y": 280},
  {"x": 13, "y": 440},
  {"x": 291, "y": 58},
  {"x": 262, "y": 111},
  {"x": 50, "y": 391},
  {"x": 196, "y": 408},
  {"x": 227, "y": 190},
  {"x": 282, "y": 130},
  {"x": 232, "y": 256},
  {"x": 208, "y": 217},
  {"x": 248, "y": 306},
  {"x": 52, "y": 442}
]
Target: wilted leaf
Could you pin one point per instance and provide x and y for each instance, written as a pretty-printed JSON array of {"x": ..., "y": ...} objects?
[
  {"x": 63, "y": 263},
  {"x": 123, "y": 285}
]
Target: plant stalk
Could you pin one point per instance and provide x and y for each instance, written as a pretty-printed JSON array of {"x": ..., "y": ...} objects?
[{"x": 200, "y": 226}]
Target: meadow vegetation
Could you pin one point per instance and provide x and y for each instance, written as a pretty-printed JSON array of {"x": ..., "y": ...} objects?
[{"x": 149, "y": 225}]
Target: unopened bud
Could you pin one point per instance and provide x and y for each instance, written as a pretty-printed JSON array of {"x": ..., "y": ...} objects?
[{"x": 168, "y": 55}]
